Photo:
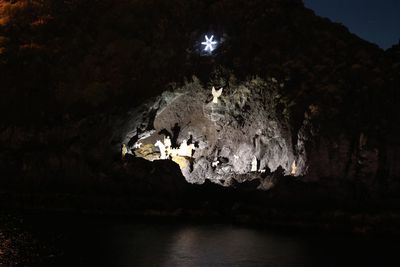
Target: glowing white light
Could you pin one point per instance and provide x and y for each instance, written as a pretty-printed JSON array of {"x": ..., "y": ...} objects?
[
  {"x": 137, "y": 145},
  {"x": 161, "y": 146},
  {"x": 294, "y": 168},
  {"x": 124, "y": 150},
  {"x": 216, "y": 94},
  {"x": 215, "y": 163},
  {"x": 166, "y": 150},
  {"x": 209, "y": 43},
  {"x": 254, "y": 164}
]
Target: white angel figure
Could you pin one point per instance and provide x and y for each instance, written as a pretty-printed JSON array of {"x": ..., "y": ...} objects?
[{"x": 216, "y": 94}]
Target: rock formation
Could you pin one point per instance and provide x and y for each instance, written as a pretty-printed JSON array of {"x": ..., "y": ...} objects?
[
  {"x": 241, "y": 131},
  {"x": 308, "y": 111}
]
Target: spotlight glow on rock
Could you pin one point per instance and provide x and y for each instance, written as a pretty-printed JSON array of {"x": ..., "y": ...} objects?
[{"x": 225, "y": 136}]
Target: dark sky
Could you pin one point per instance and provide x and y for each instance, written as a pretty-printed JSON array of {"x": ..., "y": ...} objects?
[{"x": 377, "y": 21}]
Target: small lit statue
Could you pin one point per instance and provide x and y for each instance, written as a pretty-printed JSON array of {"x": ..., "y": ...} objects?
[
  {"x": 137, "y": 145},
  {"x": 166, "y": 151},
  {"x": 185, "y": 150},
  {"x": 294, "y": 168},
  {"x": 167, "y": 142},
  {"x": 161, "y": 147},
  {"x": 254, "y": 164},
  {"x": 124, "y": 151},
  {"x": 191, "y": 147},
  {"x": 216, "y": 94}
]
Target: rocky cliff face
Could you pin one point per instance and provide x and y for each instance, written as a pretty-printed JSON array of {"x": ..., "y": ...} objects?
[
  {"x": 239, "y": 136},
  {"x": 247, "y": 136},
  {"x": 83, "y": 80}
]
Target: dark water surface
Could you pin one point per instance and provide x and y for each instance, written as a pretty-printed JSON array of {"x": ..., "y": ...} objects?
[{"x": 108, "y": 242}]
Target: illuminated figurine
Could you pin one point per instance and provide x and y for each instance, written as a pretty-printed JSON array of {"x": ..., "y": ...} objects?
[
  {"x": 124, "y": 150},
  {"x": 294, "y": 168},
  {"x": 191, "y": 147},
  {"x": 167, "y": 142},
  {"x": 254, "y": 164},
  {"x": 186, "y": 150},
  {"x": 137, "y": 145},
  {"x": 161, "y": 147},
  {"x": 216, "y": 94}
]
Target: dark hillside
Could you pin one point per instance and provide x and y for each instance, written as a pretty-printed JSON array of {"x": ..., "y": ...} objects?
[{"x": 70, "y": 71}]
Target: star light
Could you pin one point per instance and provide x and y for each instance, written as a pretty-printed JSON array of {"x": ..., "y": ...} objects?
[{"x": 209, "y": 43}]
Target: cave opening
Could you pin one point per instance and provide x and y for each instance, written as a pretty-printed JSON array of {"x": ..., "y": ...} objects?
[{"x": 215, "y": 135}]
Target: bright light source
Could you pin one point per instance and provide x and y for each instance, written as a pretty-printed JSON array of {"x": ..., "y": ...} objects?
[
  {"x": 294, "y": 168},
  {"x": 209, "y": 43},
  {"x": 216, "y": 94}
]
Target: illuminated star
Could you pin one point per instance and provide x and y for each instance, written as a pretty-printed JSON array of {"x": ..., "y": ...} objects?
[{"x": 209, "y": 43}]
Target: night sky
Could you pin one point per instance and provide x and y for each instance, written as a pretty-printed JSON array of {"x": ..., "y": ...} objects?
[{"x": 377, "y": 21}]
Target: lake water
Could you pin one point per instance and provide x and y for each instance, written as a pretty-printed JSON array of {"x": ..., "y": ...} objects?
[{"x": 108, "y": 242}]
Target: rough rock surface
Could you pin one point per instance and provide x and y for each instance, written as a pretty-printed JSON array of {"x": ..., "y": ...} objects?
[{"x": 244, "y": 126}]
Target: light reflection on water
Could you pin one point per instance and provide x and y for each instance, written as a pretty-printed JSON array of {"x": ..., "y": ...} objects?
[
  {"x": 225, "y": 245},
  {"x": 98, "y": 243},
  {"x": 228, "y": 246}
]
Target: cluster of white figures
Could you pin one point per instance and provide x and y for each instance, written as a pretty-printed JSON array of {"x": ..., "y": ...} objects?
[
  {"x": 166, "y": 151},
  {"x": 165, "y": 147},
  {"x": 185, "y": 151},
  {"x": 254, "y": 167}
]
